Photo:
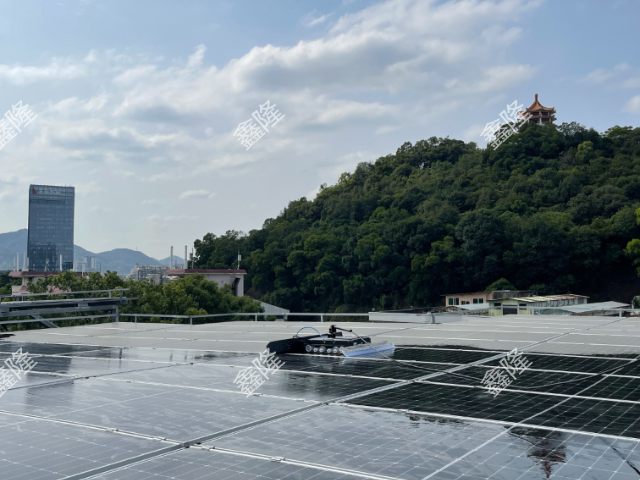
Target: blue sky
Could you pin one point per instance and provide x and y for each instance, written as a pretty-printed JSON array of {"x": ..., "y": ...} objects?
[{"x": 137, "y": 102}]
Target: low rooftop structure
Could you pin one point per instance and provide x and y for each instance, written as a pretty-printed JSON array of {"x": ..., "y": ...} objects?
[
  {"x": 31, "y": 276},
  {"x": 454, "y": 299},
  {"x": 144, "y": 272},
  {"x": 523, "y": 305},
  {"x": 222, "y": 277}
]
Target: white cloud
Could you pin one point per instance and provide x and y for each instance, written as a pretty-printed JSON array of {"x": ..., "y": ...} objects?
[
  {"x": 342, "y": 111},
  {"x": 598, "y": 76},
  {"x": 196, "y": 194},
  {"x": 167, "y": 219},
  {"x": 500, "y": 35},
  {"x": 311, "y": 20},
  {"x": 96, "y": 103},
  {"x": 101, "y": 209},
  {"x": 601, "y": 75},
  {"x": 159, "y": 132},
  {"x": 58, "y": 69},
  {"x": 135, "y": 74},
  {"x": 632, "y": 83},
  {"x": 496, "y": 78},
  {"x": 345, "y": 163},
  {"x": 196, "y": 58},
  {"x": 398, "y": 45},
  {"x": 472, "y": 134},
  {"x": 88, "y": 188},
  {"x": 158, "y": 177},
  {"x": 633, "y": 105},
  {"x": 313, "y": 193}
]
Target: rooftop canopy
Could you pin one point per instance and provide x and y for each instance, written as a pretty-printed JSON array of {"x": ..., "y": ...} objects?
[{"x": 537, "y": 106}]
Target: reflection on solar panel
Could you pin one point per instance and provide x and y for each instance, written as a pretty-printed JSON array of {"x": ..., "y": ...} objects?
[{"x": 151, "y": 401}]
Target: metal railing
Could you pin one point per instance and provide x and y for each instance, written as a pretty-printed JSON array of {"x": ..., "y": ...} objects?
[
  {"x": 48, "y": 294},
  {"x": 538, "y": 310},
  {"x": 429, "y": 318},
  {"x": 242, "y": 314},
  {"x": 84, "y": 317}
]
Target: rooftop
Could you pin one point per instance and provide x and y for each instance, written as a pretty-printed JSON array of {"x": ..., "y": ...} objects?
[
  {"x": 35, "y": 273},
  {"x": 157, "y": 401},
  {"x": 536, "y": 105},
  {"x": 486, "y": 292},
  {"x": 548, "y": 298},
  {"x": 182, "y": 271}
]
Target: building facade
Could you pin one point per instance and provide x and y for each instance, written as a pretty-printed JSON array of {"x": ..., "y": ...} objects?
[
  {"x": 51, "y": 223},
  {"x": 88, "y": 264},
  {"x": 144, "y": 272},
  {"x": 455, "y": 299},
  {"x": 526, "y": 305}
]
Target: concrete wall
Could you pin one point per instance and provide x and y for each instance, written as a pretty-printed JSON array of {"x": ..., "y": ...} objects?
[
  {"x": 272, "y": 309},
  {"x": 415, "y": 317},
  {"x": 227, "y": 279},
  {"x": 468, "y": 297}
]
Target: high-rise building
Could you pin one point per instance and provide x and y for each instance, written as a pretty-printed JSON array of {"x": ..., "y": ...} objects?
[{"x": 51, "y": 213}]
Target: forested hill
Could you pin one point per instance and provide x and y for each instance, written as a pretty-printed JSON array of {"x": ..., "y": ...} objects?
[{"x": 552, "y": 209}]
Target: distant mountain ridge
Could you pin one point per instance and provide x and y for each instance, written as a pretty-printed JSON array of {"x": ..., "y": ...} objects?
[{"x": 120, "y": 260}]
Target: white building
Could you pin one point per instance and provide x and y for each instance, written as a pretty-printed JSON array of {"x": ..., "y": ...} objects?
[{"x": 235, "y": 278}]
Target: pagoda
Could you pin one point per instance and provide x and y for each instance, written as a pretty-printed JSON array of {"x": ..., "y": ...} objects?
[{"x": 540, "y": 114}]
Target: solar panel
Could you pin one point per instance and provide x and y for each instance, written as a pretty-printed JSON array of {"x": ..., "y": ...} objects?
[{"x": 150, "y": 408}]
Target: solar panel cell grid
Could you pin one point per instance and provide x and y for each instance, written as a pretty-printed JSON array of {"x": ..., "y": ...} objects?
[
  {"x": 196, "y": 464},
  {"x": 157, "y": 354},
  {"x": 372, "y": 442},
  {"x": 572, "y": 364},
  {"x": 557, "y": 455},
  {"x": 290, "y": 384},
  {"x": 613, "y": 387},
  {"x": 465, "y": 402},
  {"x": 40, "y": 449},
  {"x": 165, "y": 411},
  {"x": 342, "y": 366},
  {"x": 452, "y": 356}
]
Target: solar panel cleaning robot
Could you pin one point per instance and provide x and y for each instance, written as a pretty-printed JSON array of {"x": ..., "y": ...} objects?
[{"x": 333, "y": 343}]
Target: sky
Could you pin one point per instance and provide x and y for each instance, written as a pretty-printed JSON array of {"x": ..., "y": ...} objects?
[{"x": 137, "y": 102}]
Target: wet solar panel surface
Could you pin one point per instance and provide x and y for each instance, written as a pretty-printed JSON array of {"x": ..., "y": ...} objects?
[{"x": 139, "y": 412}]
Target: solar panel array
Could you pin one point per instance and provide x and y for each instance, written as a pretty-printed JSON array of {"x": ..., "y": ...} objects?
[{"x": 138, "y": 412}]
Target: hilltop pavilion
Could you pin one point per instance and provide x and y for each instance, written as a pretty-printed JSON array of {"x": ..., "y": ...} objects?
[{"x": 540, "y": 114}]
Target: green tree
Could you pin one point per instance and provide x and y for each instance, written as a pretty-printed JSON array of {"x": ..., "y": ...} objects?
[
  {"x": 192, "y": 293},
  {"x": 502, "y": 284},
  {"x": 6, "y": 282},
  {"x": 552, "y": 208}
]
